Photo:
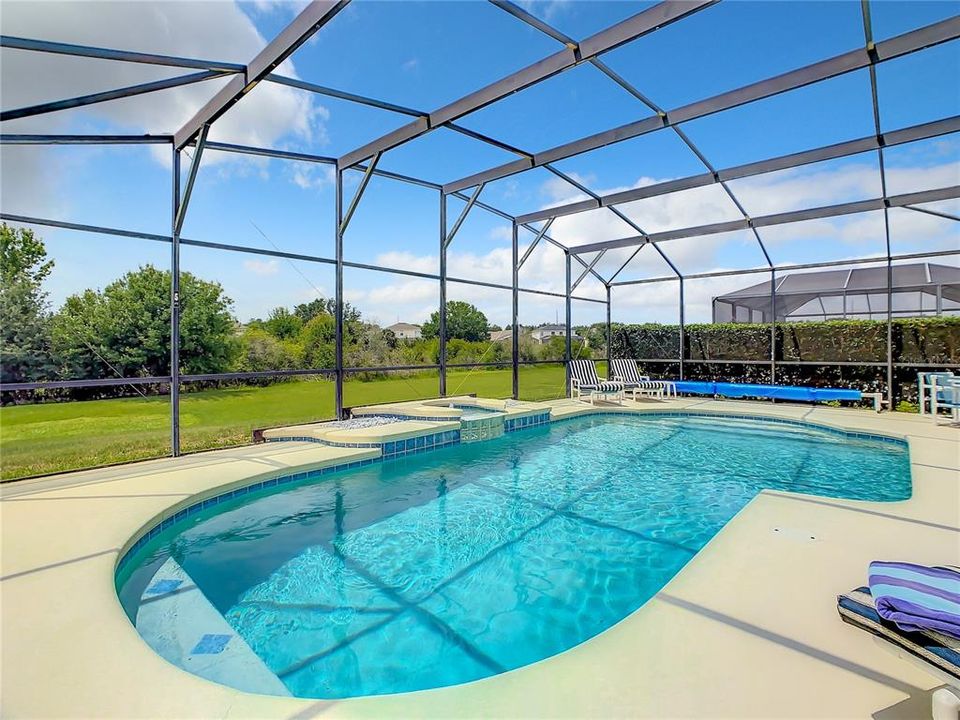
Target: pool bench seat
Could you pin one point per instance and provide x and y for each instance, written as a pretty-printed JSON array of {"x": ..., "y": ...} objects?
[{"x": 777, "y": 392}]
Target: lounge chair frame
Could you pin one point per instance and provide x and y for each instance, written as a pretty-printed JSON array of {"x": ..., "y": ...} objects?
[{"x": 585, "y": 381}]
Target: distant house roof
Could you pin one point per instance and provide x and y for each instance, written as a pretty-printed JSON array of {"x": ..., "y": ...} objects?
[
  {"x": 500, "y": 335},
  {"x": 402, "y": 326},
  {"x": 550, "y": 328}
]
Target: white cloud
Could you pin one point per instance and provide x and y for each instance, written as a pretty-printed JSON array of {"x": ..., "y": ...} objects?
[
  {"x": 308, "y": 176},
  {"x": 839, "y": 238},
  {"x": 265, "y": 117},
  {"x": 262, "y": 267}
]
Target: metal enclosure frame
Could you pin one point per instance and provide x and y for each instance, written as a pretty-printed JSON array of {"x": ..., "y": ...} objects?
[{"x": 243, "y": 77}]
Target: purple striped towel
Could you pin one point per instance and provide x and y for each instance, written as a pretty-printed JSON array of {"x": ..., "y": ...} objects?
[{"x": 917, "y": 598}]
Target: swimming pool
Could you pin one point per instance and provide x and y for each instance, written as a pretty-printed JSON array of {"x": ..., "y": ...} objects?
[{"x": 472, "y": 560}]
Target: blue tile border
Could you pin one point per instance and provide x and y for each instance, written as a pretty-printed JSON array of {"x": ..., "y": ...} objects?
[{"x": 527, "y": 421}]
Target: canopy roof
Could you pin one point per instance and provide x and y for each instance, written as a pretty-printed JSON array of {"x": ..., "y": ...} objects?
[
  {"x": 916, "y": 289},
  {"x": 717, "y": 153}
]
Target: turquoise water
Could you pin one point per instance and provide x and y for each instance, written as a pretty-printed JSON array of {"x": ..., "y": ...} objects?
[
  {"x": 475, "y": 412},
  {"x": 472, "y": 560}
]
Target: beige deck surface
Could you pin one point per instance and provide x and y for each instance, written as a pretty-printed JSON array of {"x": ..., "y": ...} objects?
[{"x": 748, "y": 628}]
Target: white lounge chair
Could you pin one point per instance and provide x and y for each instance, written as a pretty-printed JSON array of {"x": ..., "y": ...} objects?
[
  {"x": 584, "y": 380},
  {"x": 925, "y": 388},
  {"x": 626, "y": 371},
  {"x": 945, "y": 394}
]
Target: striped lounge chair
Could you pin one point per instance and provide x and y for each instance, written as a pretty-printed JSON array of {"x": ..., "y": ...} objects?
[
  {"x": 937, "y": 653},
  {"x": 627, "y": 372},
  {"x": 584, "y": 380}
]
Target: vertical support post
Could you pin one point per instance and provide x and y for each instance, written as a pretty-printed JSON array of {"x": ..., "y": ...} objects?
[
  {"x": 683, "y": 339},
  {"x": 609, "y": 335},
  {"x": 567, "y": 349},
  {"x": 773, "y": 327},
  {"x": 175, "y": 312},
  {"x": 872, "y": 52},
  {"x": 886, "y": 218},
  {"x": 443, "y": 294},
  {"x": 515, "y": 329},
  {"x": 338, "y": 297},
  {"x": 939, "y": 300}
]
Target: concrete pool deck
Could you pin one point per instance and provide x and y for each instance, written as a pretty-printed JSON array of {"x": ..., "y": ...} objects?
[{"x": 748, "y": 628}]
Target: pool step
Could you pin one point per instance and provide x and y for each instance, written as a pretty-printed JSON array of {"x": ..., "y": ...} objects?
[
  {"x": 179, "y": 623},
  {"x": 481, "y": 428}
]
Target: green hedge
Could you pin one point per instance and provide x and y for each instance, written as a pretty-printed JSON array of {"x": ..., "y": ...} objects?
[{"x": 914, "y": 340}]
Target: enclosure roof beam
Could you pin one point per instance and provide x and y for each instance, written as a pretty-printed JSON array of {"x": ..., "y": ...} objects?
[
  {"x": 463, "y": 216},
  {"x": 587, "y": 270},
  {"x": 341, "y": 95},
  {"x": 311, "y": 19},
  {"x": 191, "y": 181},
  {"x": 785, "y": 268},
  {"x": 81, "y": 227},
  {"x": 269, "y": 152},
  {"x": 355, "y": 202},
  {"x": 947, "y": 193},
  {"x": 391, "y": 107},
  {"x": 88, "y": 51},
  {"x": 18, "y": 139},
  {"x": 107, "y": 95},
  {"x": 928, "y": 36},
  {"x": 544, "y": 27},
  {"x": 627, "y": 262},
  {"x": 645, "y": 22},
  {"x": 536, "y": 241},
  {"x": 534, "y": 21},
  {"x": 565, "y": 249},
  {"x": 844, "y": 149},
  {"x": 935, "y": 213},
  {"x": 224, "y": 67}
]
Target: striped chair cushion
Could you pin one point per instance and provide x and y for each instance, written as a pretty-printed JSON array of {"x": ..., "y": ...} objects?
[
  {"x": 626, "y": 370},
  {"x": 585, "y": 373},
  {"x": 609, "y": 386},
  {"x": 857, "y": 608}
]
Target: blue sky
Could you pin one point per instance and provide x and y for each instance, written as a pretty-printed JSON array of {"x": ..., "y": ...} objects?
[{"x": 426, "y": 54}]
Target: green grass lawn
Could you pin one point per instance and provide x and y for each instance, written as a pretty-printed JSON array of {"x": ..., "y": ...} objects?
[{"x": 53, "y": 437}]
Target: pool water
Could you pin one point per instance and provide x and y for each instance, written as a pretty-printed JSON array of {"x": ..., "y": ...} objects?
[
  {"x": 469, "y": 561},
  {"x": 475, "y": 412}
]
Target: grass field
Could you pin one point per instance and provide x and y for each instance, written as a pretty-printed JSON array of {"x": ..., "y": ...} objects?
[{"x": 54, "y": 437}]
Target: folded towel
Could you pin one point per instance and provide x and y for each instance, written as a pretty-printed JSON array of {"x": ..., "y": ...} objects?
[{"x": 917, "y": 598}]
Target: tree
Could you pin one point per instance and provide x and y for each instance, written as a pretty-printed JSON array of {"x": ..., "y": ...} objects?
[
  {"x": 373, "y": 347},
  {"x": 595, "y": 334},
  {"x": 23, "y": 256},
  {"x": 282, "y": 324},
  {"x": 260, "y": 351},
  {"x": 318, "y": 340},
  {"x": 464, "y": 321},
  {"x": 328, "y": 306},
  {"x": 124, "y": 329},
  {"x": 24, "y": 318}
]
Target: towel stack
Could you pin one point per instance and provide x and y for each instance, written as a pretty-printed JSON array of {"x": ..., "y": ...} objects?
[{"x": 917, "y": 598}]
